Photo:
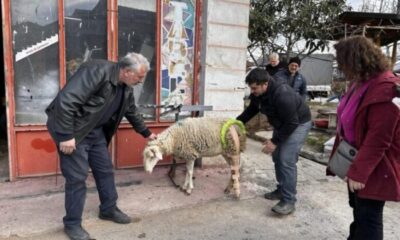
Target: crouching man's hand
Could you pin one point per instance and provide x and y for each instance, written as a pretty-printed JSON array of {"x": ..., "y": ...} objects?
[
  {"x": 152, "y": 137},
  {"x": 268, "y": 147},
  {"x": 67, "y": 147}
]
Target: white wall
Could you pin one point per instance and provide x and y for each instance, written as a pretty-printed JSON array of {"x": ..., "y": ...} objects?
[{"x": 223, "y": 63}]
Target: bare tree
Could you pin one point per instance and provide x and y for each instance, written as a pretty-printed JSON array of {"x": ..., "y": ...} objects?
[{"x": 381, "y": 6}]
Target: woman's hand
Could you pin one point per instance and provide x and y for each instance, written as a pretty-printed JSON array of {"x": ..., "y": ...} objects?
[{"x": 354, "y": 185}]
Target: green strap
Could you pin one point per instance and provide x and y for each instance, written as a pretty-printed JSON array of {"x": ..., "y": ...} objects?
[{"x": 226, "y": 127}]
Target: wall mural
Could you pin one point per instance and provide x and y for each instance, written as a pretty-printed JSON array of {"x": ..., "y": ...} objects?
[{"x": 178, "y": 28}]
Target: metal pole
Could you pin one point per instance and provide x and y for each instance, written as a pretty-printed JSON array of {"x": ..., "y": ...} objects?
[{"x": 394, "y": 53}]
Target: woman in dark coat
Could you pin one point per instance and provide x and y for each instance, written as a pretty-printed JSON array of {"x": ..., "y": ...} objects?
[{"x": 369, "y": 119}]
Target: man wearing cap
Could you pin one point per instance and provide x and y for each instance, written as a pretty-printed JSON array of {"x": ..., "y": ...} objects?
[{"x": 293, "y": 78}]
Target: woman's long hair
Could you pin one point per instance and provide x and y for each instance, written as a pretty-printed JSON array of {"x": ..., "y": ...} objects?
[{"x": 359, "y": 58}]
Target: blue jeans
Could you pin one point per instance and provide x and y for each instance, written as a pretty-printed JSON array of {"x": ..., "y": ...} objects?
[
  {"x": 285, "y": 158},
  {"x": 368, "y": 218},
  {"x": 91, "y": 152}
]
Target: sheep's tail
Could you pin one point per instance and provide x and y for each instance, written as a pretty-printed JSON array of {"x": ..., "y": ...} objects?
[{"x": 240, "y": 129}]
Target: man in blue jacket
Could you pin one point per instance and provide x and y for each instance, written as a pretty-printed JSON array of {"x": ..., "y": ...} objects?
[
  {"x": 82, "y": 120},
  {"x": 291, "y": 119},
  {"x": 293, "y": 78}
]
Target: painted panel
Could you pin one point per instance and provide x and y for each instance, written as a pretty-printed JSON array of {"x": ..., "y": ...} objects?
[
  {"x": 36, "y": 154},
  {"x": 177, "y": 49},
  {"x": 129, "y": 147},
  {"x": 35, "y": 56}
]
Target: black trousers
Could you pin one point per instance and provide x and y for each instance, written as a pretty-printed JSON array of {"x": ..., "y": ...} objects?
[
  {"x": 368, "y": 218},
  {"x": 91, "y": 152}
]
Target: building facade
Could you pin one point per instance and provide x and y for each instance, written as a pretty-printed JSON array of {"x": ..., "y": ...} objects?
[{"x": 196, "y": 48}]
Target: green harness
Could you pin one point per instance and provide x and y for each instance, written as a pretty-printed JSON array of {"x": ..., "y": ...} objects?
[{"x": 226, "y": 127}]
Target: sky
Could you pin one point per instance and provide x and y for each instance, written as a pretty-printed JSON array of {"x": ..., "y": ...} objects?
[{"x": 355, "y": 4}]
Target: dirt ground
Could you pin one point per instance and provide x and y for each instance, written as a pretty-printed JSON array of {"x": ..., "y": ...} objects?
[{"x": 32, "y": 209}]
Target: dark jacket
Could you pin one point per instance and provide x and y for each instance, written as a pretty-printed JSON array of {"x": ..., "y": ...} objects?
[
  {"x": 85, "y": 98},
  {"x": 273, "y": 70},
  {"x": 299, "y": 83},
  {"x": 284, "y": 108},
  {"x": 377, "y": 131}
]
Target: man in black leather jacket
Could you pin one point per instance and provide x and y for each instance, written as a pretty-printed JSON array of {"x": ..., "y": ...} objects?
[
  {"x": 81, "y": 120},
  {"x": 291, "y": 120}
]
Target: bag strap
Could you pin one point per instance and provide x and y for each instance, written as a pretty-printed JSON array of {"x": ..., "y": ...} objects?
[{"x": 341, "y": 133}]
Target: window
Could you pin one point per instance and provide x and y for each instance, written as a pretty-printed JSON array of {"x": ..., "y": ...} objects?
[
  {"x": 137, "y": 33},
  {"x": 85, "y": 32},
  {"x": 36, "y": 58},
  {"x": 35, "y": 40}
]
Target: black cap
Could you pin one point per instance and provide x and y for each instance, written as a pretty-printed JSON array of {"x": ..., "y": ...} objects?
[{"x": 295, "y": 60}]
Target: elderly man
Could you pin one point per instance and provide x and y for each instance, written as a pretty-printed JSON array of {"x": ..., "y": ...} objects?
[
  {"x": 274, "y": 64},
  {"x": 293, "y": 78},
  {"x": 81, "y": 120},
  {"x": 291, "y": 119}
]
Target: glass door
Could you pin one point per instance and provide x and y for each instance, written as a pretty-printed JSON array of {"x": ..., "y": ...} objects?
[{"x": 36, "y": 58}]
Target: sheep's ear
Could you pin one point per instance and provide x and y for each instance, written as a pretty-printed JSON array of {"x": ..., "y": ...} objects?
[{"x": 155, "y": 153}]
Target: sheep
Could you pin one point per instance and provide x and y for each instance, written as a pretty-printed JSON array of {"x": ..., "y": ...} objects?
[{"x": 192, "y": 138}]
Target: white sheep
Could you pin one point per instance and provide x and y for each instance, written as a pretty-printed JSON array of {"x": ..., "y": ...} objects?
[{"x": 192, "y": 138}]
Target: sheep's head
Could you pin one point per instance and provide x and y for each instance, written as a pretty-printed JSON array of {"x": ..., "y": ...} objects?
[{"x": 151, "y": 155}]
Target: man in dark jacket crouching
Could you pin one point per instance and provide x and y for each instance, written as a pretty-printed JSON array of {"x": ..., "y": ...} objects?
[
  {"x": 82, "y": 119},
  {"x": 291, "y": 120}
]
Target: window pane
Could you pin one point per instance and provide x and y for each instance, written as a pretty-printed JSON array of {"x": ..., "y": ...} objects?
[
  {"x": 85, "y": 32},
  {"x": 36, "y": 57},
  {"x": 178, "y": 28},
  {"x": 137, "y": 33}
]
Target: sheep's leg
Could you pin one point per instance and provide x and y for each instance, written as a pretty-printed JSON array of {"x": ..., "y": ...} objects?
[
  {"x": 186, "y": 183},
  {"x": 189, "y": 176},
  {"x": 235, "y": 163},
  {"x": 229, "y": 187},
  {"x": 233, "y": 184},
  {"x": 235, "y": 175}
]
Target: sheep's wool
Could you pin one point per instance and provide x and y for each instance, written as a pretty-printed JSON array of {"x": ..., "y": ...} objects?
[{"x": 192, "y": 138}]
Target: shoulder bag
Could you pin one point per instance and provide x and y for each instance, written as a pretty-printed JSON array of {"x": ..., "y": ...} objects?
[{"x": 342, "y": 159}]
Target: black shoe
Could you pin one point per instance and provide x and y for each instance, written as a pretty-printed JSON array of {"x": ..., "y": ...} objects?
[
  {"x": 274, "y": 195},
  {"x": 76, "y": 233},
  {"x": 115, "y": 215},
  {"x": 284, "y": 208}
]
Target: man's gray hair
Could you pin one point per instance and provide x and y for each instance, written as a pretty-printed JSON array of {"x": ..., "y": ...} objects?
[
  {"x": 273, "y": 56},
  {"x": 134, "y": 61}
]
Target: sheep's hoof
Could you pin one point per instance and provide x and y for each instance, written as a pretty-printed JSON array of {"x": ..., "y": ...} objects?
[
  {"x": 188, "y": 191},
  {"x": 182, "y": 189},
  {"x": 227, "y": 191},
  {"x": 237, "y": 196}
]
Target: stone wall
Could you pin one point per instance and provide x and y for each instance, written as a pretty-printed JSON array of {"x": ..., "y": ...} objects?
[{"x": 224, "y": 51}]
